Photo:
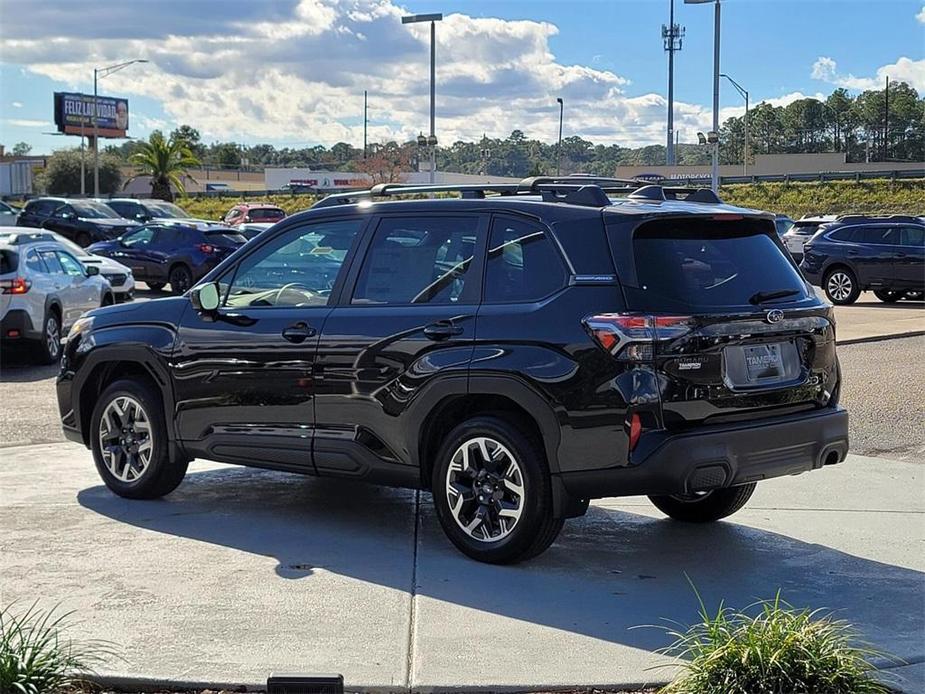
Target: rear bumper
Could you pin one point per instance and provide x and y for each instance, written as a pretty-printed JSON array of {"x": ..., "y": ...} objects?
[
  {"x": 724, "y": 456},
  {"x": 19, "y": 322}
]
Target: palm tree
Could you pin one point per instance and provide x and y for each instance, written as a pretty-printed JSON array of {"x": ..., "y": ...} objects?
[{"x": 166, "y": 162}]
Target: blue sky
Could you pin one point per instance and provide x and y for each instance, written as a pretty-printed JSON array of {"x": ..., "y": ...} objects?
[{"x": 291, "y": 72}]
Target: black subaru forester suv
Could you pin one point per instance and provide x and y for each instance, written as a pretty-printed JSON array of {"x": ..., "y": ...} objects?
[{"x": 518, "y": 350}]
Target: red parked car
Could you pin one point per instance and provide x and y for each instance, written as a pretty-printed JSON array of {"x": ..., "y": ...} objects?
[{"x": 245, "y": 212}]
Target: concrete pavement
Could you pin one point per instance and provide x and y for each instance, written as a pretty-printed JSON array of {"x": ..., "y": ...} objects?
[
  {"x": 870, "y": 319},
  {"x": 241, "y": 572}
]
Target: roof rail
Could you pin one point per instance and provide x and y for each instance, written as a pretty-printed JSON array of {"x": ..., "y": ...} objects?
[{"x": 905, "y": 218}]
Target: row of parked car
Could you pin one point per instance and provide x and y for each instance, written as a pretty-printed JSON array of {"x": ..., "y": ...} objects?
[{"x": 62, "y": 257}]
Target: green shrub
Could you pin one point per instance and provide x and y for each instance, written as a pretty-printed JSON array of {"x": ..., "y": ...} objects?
[
  {"x": 776, "y": 650},
  {"x": 35, "y": 658}
]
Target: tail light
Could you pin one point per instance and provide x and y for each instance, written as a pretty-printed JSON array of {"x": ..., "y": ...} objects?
[
  {"x": 634, "y": 337},
  {"x": 635, "y": 430},
  {"x": 207, "y": 248},
  {"x": 17, "y": 285}
]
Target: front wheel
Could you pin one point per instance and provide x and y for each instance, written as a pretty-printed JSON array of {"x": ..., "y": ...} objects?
[
  {"x": 128, "y": 435},
  {"x": 155, "y": 286},
  {"x": 888, "y": 296},
  {"x": 841, "y": 286},
  {"x": 492, "y": 492},
  {"x": 704, "y": 507}
]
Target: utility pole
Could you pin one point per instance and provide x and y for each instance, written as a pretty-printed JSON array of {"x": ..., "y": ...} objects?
[
  {"x": 559, "y": 143},
  {"x": 886, "y": 119},
  {"x": 364, "y": 122},
  {"x": 671, "y": 36}
]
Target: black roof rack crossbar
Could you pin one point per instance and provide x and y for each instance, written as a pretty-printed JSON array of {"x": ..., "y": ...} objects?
[
  {"x": 905, "y": 218},
  {"x": 658, "y": 193},
  {"x": 602, "y": 182}
]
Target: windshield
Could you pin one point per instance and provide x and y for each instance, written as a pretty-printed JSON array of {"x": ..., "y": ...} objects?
[
  {"x": 698, "y": 265},
  {"x": 166, "y": 209},
  {"x": 265, "y": 214},
  {"x": 88, "y": 209}
]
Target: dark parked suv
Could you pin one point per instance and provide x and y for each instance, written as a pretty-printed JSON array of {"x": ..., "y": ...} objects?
[
  {"x": 81, "y": 221},
  {"x": 518, "y": 354},
  {"x": 856, "y": 253},
  {"x": 174, "y": 253}
]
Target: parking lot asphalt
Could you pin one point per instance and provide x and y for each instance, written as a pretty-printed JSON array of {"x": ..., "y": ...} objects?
[{"x": 242, "y": 572}]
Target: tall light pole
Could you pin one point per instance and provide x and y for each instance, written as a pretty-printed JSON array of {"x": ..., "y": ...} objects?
[
  {"x": 714, "y": 168},
  {"x": 743, "y": 92},
  {"x": 432, "y": 139},
  {"x": 672, "y": 36},
  {"x": 559, "y": 143},
  {"x": 98, "y": 74}
]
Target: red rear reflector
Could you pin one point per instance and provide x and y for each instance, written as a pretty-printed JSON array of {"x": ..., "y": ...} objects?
[
  {"x": 12, "y": 333},
  {"x": 635, "y": 430}
]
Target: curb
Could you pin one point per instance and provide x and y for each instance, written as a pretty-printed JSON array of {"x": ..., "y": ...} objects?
[
  {"x": 129, "y": 683},
  {"x": 878, "y": 338}
]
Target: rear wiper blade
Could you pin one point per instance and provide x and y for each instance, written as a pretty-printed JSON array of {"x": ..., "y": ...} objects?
[{"x": 761, "y": 297}]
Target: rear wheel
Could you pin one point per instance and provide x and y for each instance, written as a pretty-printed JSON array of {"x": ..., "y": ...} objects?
[
  {"x": 492, "y": 492},
  {"x": 155, "y": 286},
  {"x": 83, "y": 239},
  {"x": 704, "y": 507},
  {"x": 50, "y": 344},
  {"x": 128, "y": 436},
  {"x": 841, "y": 286},
  {"x": 180, "y": 279},
  {"x": 914, "y": 295},
  {"x": 888, "y": 296}
]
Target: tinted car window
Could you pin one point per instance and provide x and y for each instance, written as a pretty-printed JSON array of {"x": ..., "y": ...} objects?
[
  {"x": 129, "y": 210},
  {"x": 139, "y": 237},
  {"x": 691, "y": 265},
  {"x": 51, "y": 262},
  {"x": 880, "y": 235},
  {"x": 265, "y": 214},
  {"x": 522, "y": 263},
  {"x": 846, "y": 234},
  {"x": 417, "y": 261},
  {"x": 297, "y": 269},
  {"x": 9, "y": 261},
  {"x": 165, "y": 237},
  {"x": 912, "y": 236}
]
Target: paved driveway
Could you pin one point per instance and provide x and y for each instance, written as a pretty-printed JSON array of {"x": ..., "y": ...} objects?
[{"x": 241, "y": 572}]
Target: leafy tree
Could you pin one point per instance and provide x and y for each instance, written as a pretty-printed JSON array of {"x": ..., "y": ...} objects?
[
  {"x": 166, "y": 161},
  {"x": 21, "y": 149},
  {"x": 192, "y": 138},
  {"x": 62, "y": 173}
]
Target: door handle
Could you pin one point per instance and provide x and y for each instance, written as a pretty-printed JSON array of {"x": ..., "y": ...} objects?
[
  {"x": 441, "y": 330},
  {"x": 298, "y": 332}
]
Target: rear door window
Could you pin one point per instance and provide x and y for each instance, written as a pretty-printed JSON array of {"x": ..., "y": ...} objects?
[
  {"x": 522, "y": 264},
  {"x": 912, "y": 236},
  {"x": 698, "y": 265},
  {"x": 882, "y": 236}
]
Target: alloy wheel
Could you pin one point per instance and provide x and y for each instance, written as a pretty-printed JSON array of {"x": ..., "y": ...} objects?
[
  {"x": 126, "y": 442},
  {"x": 485, "y": 489},
  {"x": 180, "y": 280},
  {"x": 839, "y": 286},
  {"x": 52, "y": 337}
]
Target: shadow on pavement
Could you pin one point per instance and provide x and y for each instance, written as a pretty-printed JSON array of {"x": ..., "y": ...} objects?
[
  {"x": 17, "y": 365},
  {"x": 607, "y": 573}
]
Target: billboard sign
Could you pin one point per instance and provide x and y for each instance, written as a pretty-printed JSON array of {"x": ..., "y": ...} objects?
[{"x": 74, "y": 114}]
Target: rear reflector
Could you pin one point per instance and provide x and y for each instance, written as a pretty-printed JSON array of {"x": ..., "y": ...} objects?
[
  {"x": 12, "y": 333},
  {"x": 635, "y": 430}
]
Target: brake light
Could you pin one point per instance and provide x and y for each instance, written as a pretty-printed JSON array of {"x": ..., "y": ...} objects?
[
  {"x": 633, "y": 337},
  {"x": 17, "y": 285},
  {"x": 207, "y": 248}
]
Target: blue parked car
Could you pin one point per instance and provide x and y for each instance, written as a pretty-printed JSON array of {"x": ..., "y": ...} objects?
[
  {"x": 856, "y": 253},
  {"x": 174, "y": 253}
]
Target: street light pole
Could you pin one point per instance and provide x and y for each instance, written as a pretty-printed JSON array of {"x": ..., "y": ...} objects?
[
  {"x": 99, "y": 73},
  {"x": 559, "y": 143},
  {"x": 714, "y": 169},
  {"x": 742, "y": 92},
  {"x": 432, "y": 140}
]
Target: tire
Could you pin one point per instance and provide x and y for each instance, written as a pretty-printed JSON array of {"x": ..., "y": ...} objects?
[
  {"x": 707, "y": 507},
  {"x": 83, "y": 239},
  {"x": 155, "y": 286},
  {"x": 49, "y": 346},
  {"x": 180, "y": 279},
  {"x": 494, "y": 539},
  {"x": 841, "y": 286},
  {"x": 128, "y": 467},
  {"x": 914, "y": 295},
  {"x": 888, "y": 296},
  {"x": 107, "y": 300}
]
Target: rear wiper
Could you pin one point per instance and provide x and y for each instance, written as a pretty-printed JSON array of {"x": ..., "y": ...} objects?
[{"x": 761, "y": 297}]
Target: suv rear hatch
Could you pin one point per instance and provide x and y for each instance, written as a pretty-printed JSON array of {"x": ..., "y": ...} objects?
[{"x": 731, "y": 328}]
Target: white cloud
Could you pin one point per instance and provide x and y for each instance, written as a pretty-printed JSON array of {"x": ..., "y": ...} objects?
[
  {"x": 26, "y": 123},
  {"x": 16, "y": 104},
  {"x": 905, "y": 70},
  {"x": 921, "y": 15}
]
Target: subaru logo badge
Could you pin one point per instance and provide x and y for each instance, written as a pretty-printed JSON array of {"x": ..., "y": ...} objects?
[{"x": 775, "y": 316}]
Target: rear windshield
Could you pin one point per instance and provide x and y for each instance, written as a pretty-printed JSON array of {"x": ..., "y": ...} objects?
[
  {"x": 806, "y": 228},
  {"x": 261, "y": 214},
  {"x": 698, "y": 265},
  {"x": 9, "y": 261},
  {"x": 165, "y": 209},
  {"x": 225, "y": 235}
]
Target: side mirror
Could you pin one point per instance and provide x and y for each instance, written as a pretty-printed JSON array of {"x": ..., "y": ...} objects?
[
  {"x": 92, "y": 270},
  {"x": 205, "y": 298}
]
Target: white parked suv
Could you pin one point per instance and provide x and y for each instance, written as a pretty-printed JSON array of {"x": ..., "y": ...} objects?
[
  {"x": 120, "y": 277},
  {"x": 802, "y": 231},
  {"x": 43, "y": 290}
]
